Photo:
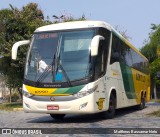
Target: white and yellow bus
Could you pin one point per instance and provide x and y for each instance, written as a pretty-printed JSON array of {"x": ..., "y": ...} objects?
[{"x": 86, "y": 67}]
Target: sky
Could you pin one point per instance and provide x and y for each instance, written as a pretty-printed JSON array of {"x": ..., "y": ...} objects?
[{"x": 133, "y": 16}]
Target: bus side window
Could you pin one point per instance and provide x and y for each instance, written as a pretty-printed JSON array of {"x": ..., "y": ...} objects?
[
  {"x": 102, "y": 57},
  {"x": 115, "y": 52},
  {"x": 99, "y": 68}
]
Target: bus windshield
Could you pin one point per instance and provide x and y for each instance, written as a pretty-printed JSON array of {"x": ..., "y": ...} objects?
[{"x": 59, "y": 56}]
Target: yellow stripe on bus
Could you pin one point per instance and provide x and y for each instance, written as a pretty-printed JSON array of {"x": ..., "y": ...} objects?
[{"x": 40, "y": 91}]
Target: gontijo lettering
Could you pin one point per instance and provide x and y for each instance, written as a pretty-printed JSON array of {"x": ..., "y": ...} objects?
[{"x": 140, "y": 77}]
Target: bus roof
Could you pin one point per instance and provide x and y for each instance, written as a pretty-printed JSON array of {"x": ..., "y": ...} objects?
[
  {"x": 74, "y": 25},
  {"x": 85, "y": 24}
]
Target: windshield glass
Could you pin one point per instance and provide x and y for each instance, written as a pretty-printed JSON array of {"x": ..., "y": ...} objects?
[{"x": 59, "y": 56}]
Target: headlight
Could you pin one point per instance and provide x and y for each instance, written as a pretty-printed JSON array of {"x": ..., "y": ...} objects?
[
  {"x": 27, "y": 94},
  {"x": 86, "y": 92}
]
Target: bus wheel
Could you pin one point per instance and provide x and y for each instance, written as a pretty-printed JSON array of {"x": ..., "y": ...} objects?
[
  {"x": 112, "y": 108},
  {"x": 142, "y": 104},
  {"x": 57, "y": 116}
]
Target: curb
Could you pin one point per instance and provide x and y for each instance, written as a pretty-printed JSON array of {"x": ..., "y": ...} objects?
[{"x": 17, "y": 109}]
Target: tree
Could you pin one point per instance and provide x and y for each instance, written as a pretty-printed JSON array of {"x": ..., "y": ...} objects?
[
  {"x": 152, "y": 51},
  {"x": 15, "y": 25},
  {"x": 67, "y": 18}
]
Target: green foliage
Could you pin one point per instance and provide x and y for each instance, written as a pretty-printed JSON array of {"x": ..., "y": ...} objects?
[
  {"x": 67, "y": 18},
  {"x": 14, "y": 97},
  {"x": 152, "y": 51},
  {"x": 15, "y": 25},
  {"x": 10, "y": 106},
  {"x": 155, "y": 113},
  {"x": 154, "y": 68}
]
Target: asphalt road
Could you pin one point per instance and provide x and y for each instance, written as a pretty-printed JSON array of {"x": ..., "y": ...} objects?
[{"x": 125, "y": 118}]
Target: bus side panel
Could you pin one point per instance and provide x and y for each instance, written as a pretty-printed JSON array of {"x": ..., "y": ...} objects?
[
  {"x": 135, "y": 83},
  {"x": 114, "y": 81},
  {"x": 141, "y": 84}
]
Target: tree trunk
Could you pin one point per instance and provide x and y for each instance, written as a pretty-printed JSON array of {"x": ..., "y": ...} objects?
[
  {"x": 155, "y": 92},
  {"x": 10, "y": 95},
  {"x": 20, "y": 91}
]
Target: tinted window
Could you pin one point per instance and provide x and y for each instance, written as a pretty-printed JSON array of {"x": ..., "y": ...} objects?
[
  {"x": 122, "y": 53},
  {"x": 115, "y": 52},
  {"x": 59, "y": 56},
  {"x": 102, "y": 57}
]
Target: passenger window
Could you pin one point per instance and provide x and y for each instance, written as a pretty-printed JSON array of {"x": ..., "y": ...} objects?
[
  {"x": 102, "y": 57},
  {"x": 115, "y": 52}
]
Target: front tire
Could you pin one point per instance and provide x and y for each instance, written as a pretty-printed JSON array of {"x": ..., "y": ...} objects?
[
  {"x": 112, "y": 108},
  {"x": 57, "y": 116}
]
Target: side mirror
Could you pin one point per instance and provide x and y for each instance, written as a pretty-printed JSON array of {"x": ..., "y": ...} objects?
[
  {"x": 95, "y": 44},
  {"x": 15, "y": 47}
]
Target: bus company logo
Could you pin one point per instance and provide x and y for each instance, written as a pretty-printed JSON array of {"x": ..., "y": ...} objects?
[
  {"x": 100, "y": 103},
  {"x": 52, "y": 98}
]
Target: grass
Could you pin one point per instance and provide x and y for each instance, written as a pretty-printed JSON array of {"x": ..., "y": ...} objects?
[
  {"x": 10, "y": 106},
  {"x": 155, "y": 100},
  {"x": 155, "y": 113}
]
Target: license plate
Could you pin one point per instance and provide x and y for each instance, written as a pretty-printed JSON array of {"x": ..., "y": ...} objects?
[{"x": 52, "y": 107}]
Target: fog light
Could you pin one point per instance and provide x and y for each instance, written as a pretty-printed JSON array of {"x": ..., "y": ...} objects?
[{"x": 83, "y": 106}]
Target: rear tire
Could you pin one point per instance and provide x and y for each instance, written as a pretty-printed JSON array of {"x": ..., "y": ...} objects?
[
  {"x": 142, "y": 104},
  {"x": 112, "y": 108},
  {"x": 57, "y": 116}
]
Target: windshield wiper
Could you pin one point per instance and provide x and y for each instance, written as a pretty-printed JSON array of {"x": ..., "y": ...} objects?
[
  {"x": 45, "y": 73},
  {"x": 56, "y": 64},
  {"x": 63, "y": 70}
]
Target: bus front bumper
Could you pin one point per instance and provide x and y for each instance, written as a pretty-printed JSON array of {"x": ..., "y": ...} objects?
[{"x": 82, "y": 105}]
